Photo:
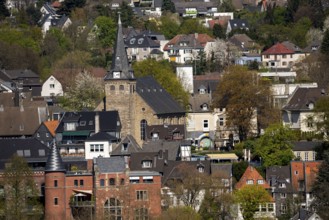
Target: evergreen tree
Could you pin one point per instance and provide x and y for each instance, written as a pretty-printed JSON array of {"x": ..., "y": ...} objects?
[
  {"x": 325, "y": 43},
  {"x": 321, "y": 189},
  {"x": 168, "y": 5},
  {"x": 3, "y": 10},
  {"x": 218, "y": 31}
]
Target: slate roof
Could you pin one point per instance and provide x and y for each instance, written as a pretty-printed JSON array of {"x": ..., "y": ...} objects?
[
  {"x": 302, "y": 97},
  {"x": 153, "y": 35},
  {"x": 141, "y": 41},
  {"x": 278, "y": 49},
  {"x": 304, "y": 214},
  {"x": 132, "y": 146},
  {"x": 305, "y": 145},
  {"x": 312, "y": 47},
  {"x": 9, "y": 147},
  {"x": 101, "y": 136},
  {"x": 54, "y": 161},
  {"x": 110, "y": 164},
  {"x": 120, "y": 59},
  {"x": 173, "y": 148},
  {"x": 157, "y": 160},
  {"x": 198, "y": 100},
  {"x": 50, "y": 9},
  {"x": 222, "y": 170},
  {"x": 59, "y": 22},
  {"x": 210, "y": 82},
  {"x": 243, "y": 42},
  {"x": 291, "y": 46},
  {"x": 277, "y": 175},
  {"x": 51, "y": 126},
  {"x": 107, "y": 121},
  {"x": 157, "y": 97},
  {"x": 238, "y": 24},
  {"x": 20, "y": 73},
  {"x": 164, "y": 132},
  {"x": 201, "y": 7}
]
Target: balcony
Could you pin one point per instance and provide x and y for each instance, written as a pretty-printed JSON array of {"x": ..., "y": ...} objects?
[{"x": 82, "y": 204}]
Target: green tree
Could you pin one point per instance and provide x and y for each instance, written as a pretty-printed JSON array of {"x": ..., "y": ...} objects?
[
  {"x": 245, "y": 98},
  {"x": 169, "y": 25},
  {"x": 179, "y": 212},
  {"x": 218, "y": 31},
  {"x": 238, "y": 169},
  {"x": 20, "y": 191},
  {"x": 275, "y": 146},
  {"x": 325, "y": 43},
  {"x": 105, "y": 31},
  {"x": 320, "y": 188},
  {"x": 168, "y": 5},
  {"x": 320, "y": 117},
  {"x": 249, "y": 198},
  {"x": 86, "y": 93},
  {"x": 163, "y": 73},
  {"x": 299, "y": 31},
  {"x": 69, "y": 5},
  {"x": 191, "y": 26}
]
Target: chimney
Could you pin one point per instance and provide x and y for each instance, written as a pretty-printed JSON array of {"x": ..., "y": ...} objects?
[{"x": 97, "y": 127}]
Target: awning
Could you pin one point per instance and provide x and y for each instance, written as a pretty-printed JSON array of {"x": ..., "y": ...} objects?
[
  {"x": 76, "y": 133},
  {"x": 83, "y": 191},
  {"x": 79, "y": 195}
]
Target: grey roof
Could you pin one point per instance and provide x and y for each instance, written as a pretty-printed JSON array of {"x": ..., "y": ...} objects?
[
  {"x": 43, "y": 19},
  {"x": 173, "y": 148},
  {"x": 276, "y": 175},
  {"x": 111, "y": 164},
  {"x": 238, "y": 23},
  {"x": 54, "y": 162},
  {"x": 101, "y": 136},
  {"x": 143, "y": 173},
  {"x": 132, "y": 146},
  {"x": 59, "y": 22},
  {"x": 50, "y": 9},
  {"x": 198, "y": 100},
  {"x": 243, "y": 42},
  {"x": 304, "y": 215},
  {"x": 20, "y": 73},
  {"x": 120, "y": 59},
  {"x": 302, "y": 97},
  {"x": 153, "y": 35},
  {"x": 37, "y": 151},
  {"x": 157, "y": 160},
  {"x": 291, "y": 46},
  {"x": 312, "y": 47},
  {"x": 158, "y": 3},
  {"x": 200, "y": 6},
  {"x": 305, "y": 145},
  {"x": 165, "y": 132},
  {"x": 157, "y": 97},
  {"x": 222, "y": 170},
  {"x": 141, "y": 41}
]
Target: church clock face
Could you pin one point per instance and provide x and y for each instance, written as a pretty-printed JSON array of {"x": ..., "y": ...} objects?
[{"x": 205, "y": 142}]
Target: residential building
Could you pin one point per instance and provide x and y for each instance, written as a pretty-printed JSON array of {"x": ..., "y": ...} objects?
[
  {"x": 237, "y": 24},
  {"x": 305, "y": 150},
  {"x": 99, "y": 145},
  {"x": 46, "y": 132},
  {"x": 195, "y": 8},
  {"x": 145, "y": 108},
  {"x": 52, "y": 87},
  {"x": 298, "y": 112}
]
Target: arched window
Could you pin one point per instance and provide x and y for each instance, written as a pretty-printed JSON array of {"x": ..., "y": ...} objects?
[
  {"x": 121, "y": 87},
  {"x": 143, "y": 125},
  {"x": 112, "y": 182},
  {"x": 112, "y": 87},
  {"x": 113, "y": 209}
]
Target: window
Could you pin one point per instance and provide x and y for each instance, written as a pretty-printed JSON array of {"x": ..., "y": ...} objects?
[
  {"x": 47, "y": 134},
  {"x": 124, "y": 146},
  {"x": 112, "y": 182},
  {"x": 283, "y": 195},
  {"x": 52, "y": 86},
  {"x": 263, "y": 207},
  {"x": 102, "y": 182},
  {"x": 221, "y": 121},
  {"x": 55, "y": 183},
  {"x": 27, "y": 153},
  {"x": 284, "y": 56},
  {"x": 260, "y": 182},
  {"x": 134, "y": 179},
  {"x": 116, "y": 75},
  {"x": 313, "y": 155},
  {"x": 147, "y": 179},
  {"x": 147, "y": 164},
  {"x": 204, "y": 107},
  {"x": 121, "y": 87},
  {"x": 113, "y": 209},
  {"x": 201, "y": 169},
  {"x": 141, "y": 195},
  {"x": 296, "y": 172},
  {"x": 284, "y": 63},
  {"x": 202, "y": 91},
  {"x": 55, "y": 201},
  {"x": 141, "y": 214},
  {"x": 97, "y": 148},
  {"x": 250, "y": 182},
  {"x": 122, "y": 181},
  {"x": 267, "y": 56},
  {"x": 112, "y": 87},
  {"x": 283, "y": 209},
  {"x": 282, "y": 185},
  {"x": 38, "y": 134},
  {"x": 205, "y": 123},
  {"x": 82, "y": 123},
  {"x": 306, "y": 156},
  {"x": 144, "y": 49},
  {"x": 76, "y": 183},
  {"x": 270, "y": 207},
  {"x": 42, "y": 152},
  {"x": 298, "y": 154},
  {"x": 81, "y": 182},
  {"x": 143, "y": 125}
]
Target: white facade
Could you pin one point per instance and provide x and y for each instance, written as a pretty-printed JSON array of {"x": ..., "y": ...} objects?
[
  {"x": 282, "y": 60},
  {"x": 94, "y": 149},
  {"x": 185, "y": 75},
  {"x": 52, "y": 87}
]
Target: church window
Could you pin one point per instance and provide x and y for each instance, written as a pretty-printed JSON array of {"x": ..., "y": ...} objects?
[{"x": 143, "y": 125}]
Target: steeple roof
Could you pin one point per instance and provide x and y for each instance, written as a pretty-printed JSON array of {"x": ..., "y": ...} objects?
[
  {"x": 54, "y": 162},
  {"x": 120, "y": 62}
]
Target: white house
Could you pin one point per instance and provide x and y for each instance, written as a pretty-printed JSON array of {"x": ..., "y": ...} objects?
[
  {"x": 52, "y": 87},
  {"x": 99, "y": 145}
]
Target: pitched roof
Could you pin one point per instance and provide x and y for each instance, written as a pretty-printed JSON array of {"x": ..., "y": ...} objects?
[
  {"x": 157, "y": 97},
  {"x": 111, "y": 164},
  {"x": 190, "y": 41},
  {"x": 302, "y": 98},
  {"x": 305, "y": 171},
  {"x": 251, "y": 174},
  {"x": 278, "y": 49},
  {"x": 291, "y": 46},
  {"x": 127, "y": 146},
  {"x": 101, "y": 136},
  {"x": 20, "y": 73},
  {"x": 221, "y": 170},
  {"x": 243, "y": 42},
  {"x": 238, "y": 23},
  {"x": 32, "y": 150},
  {"x": 305, "y": 145},
  {"x": 51, "y": 126},
  {"x": 141, "y": 41},
  {"x": 173, "y": 148},
  {"x": 120, "y": 59},
  {"x": 312, "y": 47}
]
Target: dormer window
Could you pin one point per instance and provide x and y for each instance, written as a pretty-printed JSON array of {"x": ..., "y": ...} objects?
[
  {"x": 204, "y": 107},
  {"x": 311, "y": 105},
  {"x": 155, "y": 136},
  {"x": 201, "y": 169},
  {"x": 202, "y": 91},
  {"x": 124, "y": 146},
  {"x": 82, "y": 123},
  {"x": 132, "y": 40},
  {"x": 116, "y": 75},
  {"x": 147, "y": 164}
]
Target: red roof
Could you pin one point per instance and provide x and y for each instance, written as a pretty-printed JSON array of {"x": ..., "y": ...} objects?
[
  {"x": 277, "y": 49},
  {"x": 201, "y": 38},
  {"x": 251, "y": 177},
  {"x": 51, "y": 126},
  {"x": 56, "y": 4}
]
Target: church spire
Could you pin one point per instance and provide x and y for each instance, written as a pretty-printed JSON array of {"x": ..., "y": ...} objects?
[
  {"x": 120, "y": 68},
  {"x": 54, "y": 162}
]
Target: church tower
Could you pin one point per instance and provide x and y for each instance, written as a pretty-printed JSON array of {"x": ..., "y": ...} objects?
[
  {"x": 120, "y": 86},
  {"x": 55, "y": 199}
]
